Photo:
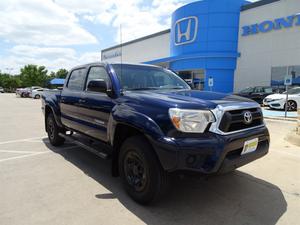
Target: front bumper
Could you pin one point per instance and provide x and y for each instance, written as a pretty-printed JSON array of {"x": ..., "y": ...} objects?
[{"x": 210, "y": 153}]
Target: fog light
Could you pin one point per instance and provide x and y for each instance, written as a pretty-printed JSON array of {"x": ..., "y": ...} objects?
[{"x": 191, "y": 159}]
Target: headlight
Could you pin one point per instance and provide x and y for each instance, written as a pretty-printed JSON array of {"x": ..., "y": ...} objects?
[{"x": 191, "y": 121}]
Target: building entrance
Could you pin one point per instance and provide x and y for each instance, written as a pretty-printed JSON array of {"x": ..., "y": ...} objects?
[{"x": 195, "y": 78}]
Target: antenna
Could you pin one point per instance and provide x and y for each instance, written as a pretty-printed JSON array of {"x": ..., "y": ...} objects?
[
  {"x": 121, "y": 45},
  {"x": 121, "y": 53}
]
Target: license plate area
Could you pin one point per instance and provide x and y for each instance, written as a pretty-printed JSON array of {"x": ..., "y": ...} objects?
[{"x": 250, "y": 146}]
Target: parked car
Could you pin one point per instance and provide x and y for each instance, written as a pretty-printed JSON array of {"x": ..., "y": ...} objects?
[
  {"x": 26, "y": 92},
  {"x": 258, "y": 93},
  {"x": 150, "y": 123},
  {"x": 1, "y": 90},
  {"x": 278, "y": 101},
  {"x": 23, "y": 92},
  {"x": 36, "y": 93}
]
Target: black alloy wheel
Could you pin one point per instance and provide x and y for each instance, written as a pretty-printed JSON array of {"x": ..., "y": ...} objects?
[
  {"x": 53, "y": 131},
  {"x": 291, "y": 106},
  {"x": 142, "y": 175}
]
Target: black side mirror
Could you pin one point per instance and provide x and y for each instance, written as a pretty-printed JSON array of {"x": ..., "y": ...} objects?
[{"x": 97, "y": 86}]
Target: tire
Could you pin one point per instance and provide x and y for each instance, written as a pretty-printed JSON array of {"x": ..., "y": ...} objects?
[
  {"x": 37, "y": 97},
  {"x": 23, "y": 95},
  {"x": 53, "y": 131},
  {"x": 142, "y": 175},
  {"x": 291, "y": 106}
]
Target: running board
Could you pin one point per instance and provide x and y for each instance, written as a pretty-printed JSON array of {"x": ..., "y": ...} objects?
[{"x": 87, "y": 145}]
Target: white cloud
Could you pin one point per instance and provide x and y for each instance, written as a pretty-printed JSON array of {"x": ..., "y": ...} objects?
[
  {"x": 45, "y": 52},
  {"x": 52, "y": 58},
  {"x": 42, "y": 31},
  {"x": 137, "y": 19},
  {"x": 42, "y": 23}
]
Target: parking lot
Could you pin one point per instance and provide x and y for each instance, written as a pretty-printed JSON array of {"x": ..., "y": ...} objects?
[{"x": 40, "y": 184}]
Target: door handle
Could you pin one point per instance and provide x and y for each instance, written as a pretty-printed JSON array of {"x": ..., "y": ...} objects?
[
  {"x": 62, "y": 99},
  {"x": 81, "y": 100}
]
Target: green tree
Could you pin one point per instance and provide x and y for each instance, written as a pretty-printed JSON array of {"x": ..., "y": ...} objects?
[
  {"x": 61, "y": 73},
  {"x": 10, "y": 82},
  {"x": 33, "y": 75}
]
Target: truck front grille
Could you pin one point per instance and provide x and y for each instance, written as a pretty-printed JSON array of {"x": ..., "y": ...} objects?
[{"x": 235, "y": 120}]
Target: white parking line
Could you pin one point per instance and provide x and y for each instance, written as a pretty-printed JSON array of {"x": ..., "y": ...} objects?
[
  {"x": 21, "y": 140},
  {"x": 23, "y": 156},
  {"x": 29, "y": 154},
  {"x": 13, "y": 151}
]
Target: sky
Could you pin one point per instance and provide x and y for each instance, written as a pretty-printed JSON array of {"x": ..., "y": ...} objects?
[{"x": 65, "y": 33}]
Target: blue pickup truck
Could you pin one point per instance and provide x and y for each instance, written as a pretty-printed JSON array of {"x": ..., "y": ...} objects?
[{"x": 149, "y": 123}]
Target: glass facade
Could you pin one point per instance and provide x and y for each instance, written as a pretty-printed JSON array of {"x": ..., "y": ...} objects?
[{"x": 279, "y": 72}]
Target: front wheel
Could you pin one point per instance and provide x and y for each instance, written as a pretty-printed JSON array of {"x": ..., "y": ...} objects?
[
  {"x": 37, "y": 97},
  {"x": 291, "y": 106},
  {"x": 141, "y": 172},
  {"x": 53, "y": 131}
]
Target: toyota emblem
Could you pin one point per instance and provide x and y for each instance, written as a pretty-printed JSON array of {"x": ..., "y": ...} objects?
[{"x": 247, "y": 117}]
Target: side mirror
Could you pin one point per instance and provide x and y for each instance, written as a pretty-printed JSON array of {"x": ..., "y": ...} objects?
[{"x": 97, "y": 86}]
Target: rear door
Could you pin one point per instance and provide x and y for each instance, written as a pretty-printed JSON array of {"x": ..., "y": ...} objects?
[
  {"x": 97, "y": 106},
  {"x": 71, "y": 100}
]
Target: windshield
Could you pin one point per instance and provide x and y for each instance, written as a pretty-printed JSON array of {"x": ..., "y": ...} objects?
[
  {"x": 139, "y": 77},
  {"x": 293, "y": 91}
]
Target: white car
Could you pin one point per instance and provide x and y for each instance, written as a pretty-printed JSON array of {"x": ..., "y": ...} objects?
[
  {"x": 36, "y": 93},
  {"x": 277, "y": 101},
  {"x": 1, "y": 90}
]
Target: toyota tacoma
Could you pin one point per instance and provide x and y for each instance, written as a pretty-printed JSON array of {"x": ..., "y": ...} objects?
[{"x": 149, "y": 123}]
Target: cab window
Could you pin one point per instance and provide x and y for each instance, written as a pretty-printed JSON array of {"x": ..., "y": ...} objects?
[{"x": 76, "y": 80}]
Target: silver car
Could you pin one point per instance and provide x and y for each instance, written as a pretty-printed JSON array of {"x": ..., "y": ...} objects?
[{"x": 1, "y": 90}]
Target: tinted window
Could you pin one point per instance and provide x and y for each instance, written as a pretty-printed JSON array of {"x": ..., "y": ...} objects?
[
  {"x": 138, "y": 77},
  {"x": 96, "y": 73},
  {"x": 76, "y": 80}
]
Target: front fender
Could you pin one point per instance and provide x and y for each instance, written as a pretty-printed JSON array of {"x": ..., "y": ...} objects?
[
  {"x": 137, "y": 120},
  {"x": 165, "y": 148}
]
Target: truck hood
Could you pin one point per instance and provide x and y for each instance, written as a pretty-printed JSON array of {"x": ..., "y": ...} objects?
[{"x": 191, "y": 99}]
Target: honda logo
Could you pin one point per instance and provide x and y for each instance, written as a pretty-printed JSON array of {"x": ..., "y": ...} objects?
[{"x": 185, "y": 30}]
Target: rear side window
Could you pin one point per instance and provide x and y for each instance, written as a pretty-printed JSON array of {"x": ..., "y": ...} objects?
[{"x": 76, "y": 80}]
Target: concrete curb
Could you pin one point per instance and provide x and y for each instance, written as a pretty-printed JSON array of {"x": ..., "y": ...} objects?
[
  {"x": 281, "y": 118},
  {"x": 293, "y": 138}
]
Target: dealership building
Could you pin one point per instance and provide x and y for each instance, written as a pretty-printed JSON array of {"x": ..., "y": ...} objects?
[{"x": 230, "y": 44}]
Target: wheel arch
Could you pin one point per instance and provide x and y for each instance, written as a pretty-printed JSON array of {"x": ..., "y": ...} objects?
[
  {"x": 49, "y": 110},
  {"x": 122, "y": 132}
]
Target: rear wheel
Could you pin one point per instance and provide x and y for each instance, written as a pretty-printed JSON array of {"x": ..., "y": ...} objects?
[
  {"x": 37, "y": 97},
  {"x": 142, "y": 175},
  {"x": 291, "y": 106},
  {"x": 53, "y": 131}
]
